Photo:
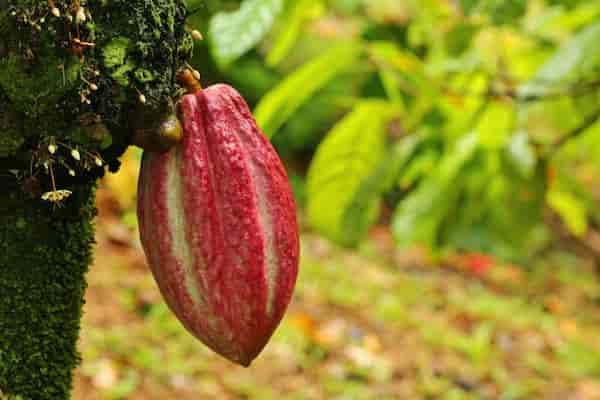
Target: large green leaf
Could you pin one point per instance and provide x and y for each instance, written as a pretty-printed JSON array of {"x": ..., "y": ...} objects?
[
  {"x": 281, "y": 102},
  {"x": 349, "y": 155},
  {"x": 232, "y": 34}
]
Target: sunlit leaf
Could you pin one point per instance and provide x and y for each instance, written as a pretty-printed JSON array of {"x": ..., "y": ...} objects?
[
  {"x": 357, "y": 219},
  {"x": 573, "y": 60},
  {"x": 496, "y": 124},
  {"x": 349, "y": 155},
  {"x": 571, "y": 209},
  {"x": 302, "y": 12},
  {"x": 462, "y": 109},
  {"x": 460, "y": 37},
  {"x": 232, "y": 34},
  {"x": 424, "y": 163},
  {"x": 522, "y": 154},
  {"x": 281, "y": 102},
  {"x": 570, "y": 20}
]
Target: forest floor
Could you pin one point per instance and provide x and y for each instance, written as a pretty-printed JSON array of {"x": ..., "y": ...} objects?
[{"x": 370, "y": 324}]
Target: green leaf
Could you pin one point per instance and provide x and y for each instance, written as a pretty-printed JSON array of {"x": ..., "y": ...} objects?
[
  {"x": 389, "y": 56},
  {"x": 565, "y": 19},
  {"x": 500, "y": 209},
  {"x": 418, "y": 218},
  {"x": 572, "y": 61},
  {"x": 232, "y": 34},
  {"x": 280, "y": 103},
  {"x": 292, "y": 27},
  {"x": 349, "y": 155},
  {"x": 356, "y": 219},
  {"x": 571, "y": 209},
  {"x": 398, "y": 69},
  {"x": 460, "y": 37},
  {"x": 468, "y": 6},
  {"x": 420, "y": 165},
  {"x": 391, "y": 85},
  {"x": 521, "y": 154},
  {"x": 495, "y": 124}
]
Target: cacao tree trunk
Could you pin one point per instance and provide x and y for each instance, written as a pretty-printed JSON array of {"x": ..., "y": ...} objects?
[
  {"x": 44, "y": 254},
  {"x": 77, "y": 78}
]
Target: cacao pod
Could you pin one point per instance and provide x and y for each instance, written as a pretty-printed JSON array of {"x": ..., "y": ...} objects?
[{"x": 218, "y": 226}]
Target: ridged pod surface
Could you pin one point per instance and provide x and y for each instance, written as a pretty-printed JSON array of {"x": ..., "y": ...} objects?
[{"x": 218, "y": 225}]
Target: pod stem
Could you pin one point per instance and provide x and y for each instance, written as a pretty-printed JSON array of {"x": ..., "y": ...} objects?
[{"x": 189, "y": 78}]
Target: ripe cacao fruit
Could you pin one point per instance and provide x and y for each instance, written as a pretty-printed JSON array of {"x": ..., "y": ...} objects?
[{"x": 218, "y": 226}]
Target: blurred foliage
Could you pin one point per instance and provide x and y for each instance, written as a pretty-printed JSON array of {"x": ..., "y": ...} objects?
[{"x": 459, "y": 123}]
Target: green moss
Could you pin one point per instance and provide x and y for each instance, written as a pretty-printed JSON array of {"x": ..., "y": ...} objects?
[
  {"x": 44, "y": 255},
  {"x": 143, "y": 75},
  {"x": 11, "y": 137},
  {"x": 121, "y": 74},
  {"x": 130, "y": 47},
  {"x": 91, "y": 136},
  {"x": 34, "y": 92},
  {"x": 115, "y": 52},
  {"x": 10, "y": 142}
]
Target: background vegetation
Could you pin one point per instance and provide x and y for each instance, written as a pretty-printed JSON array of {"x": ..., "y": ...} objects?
[{"x": 444, "y": 156}]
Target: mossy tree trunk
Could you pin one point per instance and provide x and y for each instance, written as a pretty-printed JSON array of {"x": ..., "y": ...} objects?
[
  {"x": 77, "y": 79},
  {"x": 44, "y": 255}
]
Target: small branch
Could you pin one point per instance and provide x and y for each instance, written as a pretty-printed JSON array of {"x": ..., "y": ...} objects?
[
  {"x": 513, "y": 94},
  {"x": 587, "y": 123}
]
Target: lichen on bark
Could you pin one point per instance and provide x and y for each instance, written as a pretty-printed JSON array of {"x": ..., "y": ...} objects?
[{"x": 77, "y": 77}]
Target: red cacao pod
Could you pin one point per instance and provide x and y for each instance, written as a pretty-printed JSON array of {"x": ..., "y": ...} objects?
[{"x": 218, "y": 226}]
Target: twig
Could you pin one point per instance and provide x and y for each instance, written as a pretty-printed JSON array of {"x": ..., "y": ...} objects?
[
  {"x": 587, "y": 123},
  {"x": 575, "y": 90}
]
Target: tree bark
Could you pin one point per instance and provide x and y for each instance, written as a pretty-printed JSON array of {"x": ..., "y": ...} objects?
[{"x": 77, "y": 79}]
